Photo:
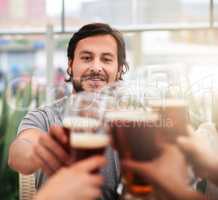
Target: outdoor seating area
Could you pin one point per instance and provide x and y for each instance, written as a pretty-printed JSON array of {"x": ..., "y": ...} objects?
[{"x": 108, "y": 100}]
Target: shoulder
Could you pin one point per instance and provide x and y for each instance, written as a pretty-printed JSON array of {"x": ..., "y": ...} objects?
[
  {"x": 55, "y": 107},
  {"x": 44, "y": 116}
]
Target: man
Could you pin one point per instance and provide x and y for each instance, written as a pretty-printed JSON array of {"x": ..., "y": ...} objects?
[{"x": 96, "y": 57}]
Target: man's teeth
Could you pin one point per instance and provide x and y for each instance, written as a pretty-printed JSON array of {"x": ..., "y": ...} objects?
[{"x": 96, "y": 79}]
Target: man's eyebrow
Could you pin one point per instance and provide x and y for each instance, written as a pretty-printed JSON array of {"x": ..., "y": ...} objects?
[
  {"x": 108, "y": 54},
  {"x": 85, "y": 52}
]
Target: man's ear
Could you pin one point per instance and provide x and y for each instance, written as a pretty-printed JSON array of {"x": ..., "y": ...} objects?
[
  {"x": 70, "y": 63},
  {"x": 69, "y": 68},
  {"x": 118, "y": 77}
]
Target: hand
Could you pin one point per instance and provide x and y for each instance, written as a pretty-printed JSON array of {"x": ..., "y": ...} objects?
[
  {"x": 198, "y": 150},
  {"x": 51, "y": 151},
  {"x": 169, "y": 173},
  {"x": 75, "y": 182}
]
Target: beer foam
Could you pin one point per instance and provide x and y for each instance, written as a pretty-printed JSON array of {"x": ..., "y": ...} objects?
[
  {"x": 89, "y": 140},
  {"x": 132, "y": 115},
  {"x": 81, "y": 122},
  {"x": 168, "y": 103}
]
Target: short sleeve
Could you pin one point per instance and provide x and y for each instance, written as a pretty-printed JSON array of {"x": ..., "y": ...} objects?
[{"x": 38, "y": 118}]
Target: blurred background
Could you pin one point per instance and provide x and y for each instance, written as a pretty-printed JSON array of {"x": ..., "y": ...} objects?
[{"x": 172, "y": 43}]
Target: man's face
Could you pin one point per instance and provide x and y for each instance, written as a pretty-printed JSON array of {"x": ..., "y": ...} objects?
[{"x": 95, "y": 63}]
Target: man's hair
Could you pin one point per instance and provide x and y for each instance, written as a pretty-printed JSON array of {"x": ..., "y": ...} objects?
[{"x": 95, "y": 29}]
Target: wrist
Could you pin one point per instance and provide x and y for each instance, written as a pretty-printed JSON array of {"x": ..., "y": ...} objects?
[
  {"x": 43, "y": 194},
  {"x": 213, "y": 172},
  {"x": 188, "y": 194},
  {"x": 195, "y": 196}
]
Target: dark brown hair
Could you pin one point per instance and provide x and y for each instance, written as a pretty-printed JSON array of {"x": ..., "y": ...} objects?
[{"x": 94, "y": 29}]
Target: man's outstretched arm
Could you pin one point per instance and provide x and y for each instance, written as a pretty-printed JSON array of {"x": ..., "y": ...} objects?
[
  {"x": 33, "y": 149},
  {"x": 21, "y": 152}
]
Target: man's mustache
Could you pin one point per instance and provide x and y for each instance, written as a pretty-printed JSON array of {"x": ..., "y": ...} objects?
[{"x": 93, "y": 76}]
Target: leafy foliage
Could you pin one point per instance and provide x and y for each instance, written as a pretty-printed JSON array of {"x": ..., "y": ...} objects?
[{"x": 10, "y": 119}]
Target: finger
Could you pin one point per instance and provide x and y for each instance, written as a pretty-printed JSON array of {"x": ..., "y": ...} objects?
[
  {"x": 170, "y": 149},
  {"x": 142, "y": 168},
  {"x": 59, "y": 134},
  {"x": 92, "y": 193},
  {"x": 96, "y": 180},
  {"x": 42, "y": 164},
  {"x": 55, "y": 148},
  {"x": 91, "y": 164},
  {"x": 48, "y": 158},
  {"x": 185, "y": 145},
  {"x": 184, "y": 142},
  {"x": 190, "y": 131},
  {"x": 48, "y": 171}
]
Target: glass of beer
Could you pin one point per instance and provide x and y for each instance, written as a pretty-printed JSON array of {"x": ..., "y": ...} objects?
[
  {"x": 83, "y": 116},
  {"x": 135, "y": 133},
  {"x": 174, "y": 116},
  {"x": 135, "y": 136}
]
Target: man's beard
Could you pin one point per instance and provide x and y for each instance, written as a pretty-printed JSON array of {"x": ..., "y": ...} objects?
[
  {"x": 77, "y": 85},
  {"x": 78, "y": 82}
]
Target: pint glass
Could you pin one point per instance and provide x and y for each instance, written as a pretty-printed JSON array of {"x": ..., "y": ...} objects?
[{"x": 84, "y": 117}]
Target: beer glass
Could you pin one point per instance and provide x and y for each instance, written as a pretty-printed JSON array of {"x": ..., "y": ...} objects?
[
  {"x": 134, "y": 131},
  {"x": 83, "y": 115},
  {"x": 174, "y": 116}
]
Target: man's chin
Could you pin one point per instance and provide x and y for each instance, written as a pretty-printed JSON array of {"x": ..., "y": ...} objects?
[
  {"x": 94, "y": 86},
  {"x": 89, "y": 86}
]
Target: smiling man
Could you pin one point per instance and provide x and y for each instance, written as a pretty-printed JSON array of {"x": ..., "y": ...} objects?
[
  {"x": 96, "y": 57},
  {"x": 95, "y": 63}
]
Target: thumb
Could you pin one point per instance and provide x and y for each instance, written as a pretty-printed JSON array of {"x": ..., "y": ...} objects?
[
  {"x": 185, "y": 145},
  {"x": 144, "y": 169},
  {"x": 139, "y": 167},
  {"x": 91, "y": 164}
]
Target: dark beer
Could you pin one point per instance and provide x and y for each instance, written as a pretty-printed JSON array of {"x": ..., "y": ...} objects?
[
  {"x": 174, "y": 116},
  {"x": 135, "y": 136},
  {"x": 86, "y": 138},
  {"x": 85, "y": 145}
]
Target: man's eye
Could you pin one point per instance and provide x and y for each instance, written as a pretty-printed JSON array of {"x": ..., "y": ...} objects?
[
  {"x": 86, "y": 58},
  {"x": 107, "y": 60}
]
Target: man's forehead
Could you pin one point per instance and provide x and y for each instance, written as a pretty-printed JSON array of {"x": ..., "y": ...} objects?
[
  {"x": 87, "y": 52},
  {"x": 104, "y": 43}
]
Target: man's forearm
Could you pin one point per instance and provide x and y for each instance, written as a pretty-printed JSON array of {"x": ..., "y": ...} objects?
[
  {"x": 21, "y": 152},
  {"x": 195, "y": 196},
  {"x": 20, "y": 156},
  {"x": 177, "y": 194}
]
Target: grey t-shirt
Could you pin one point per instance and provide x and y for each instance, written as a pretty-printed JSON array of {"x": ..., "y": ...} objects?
[{"x": 43, "y": 117}]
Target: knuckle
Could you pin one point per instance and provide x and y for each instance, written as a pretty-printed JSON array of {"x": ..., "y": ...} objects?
[
  {"x": 36, "y": 147},
  {"x": 42, "y": 138}
]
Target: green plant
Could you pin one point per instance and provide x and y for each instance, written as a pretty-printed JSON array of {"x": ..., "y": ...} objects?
[{"x": 10, "y": 118}]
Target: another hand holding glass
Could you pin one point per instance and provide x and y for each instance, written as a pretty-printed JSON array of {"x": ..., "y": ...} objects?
[{"x": 137, "y": 124}]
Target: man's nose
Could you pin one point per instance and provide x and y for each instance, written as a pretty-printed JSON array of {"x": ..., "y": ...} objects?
[{"x": 97, "y": 65}]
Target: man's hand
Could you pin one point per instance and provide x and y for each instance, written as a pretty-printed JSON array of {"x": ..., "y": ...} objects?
[
  {"x": 169, "y": 174},
  {"x": 76, "y": 182},
  {"x": 199, "y": 152},
  {"x": 51, "y": 151}
]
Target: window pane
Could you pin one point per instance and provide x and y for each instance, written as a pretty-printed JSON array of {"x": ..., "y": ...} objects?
[
  {"x": 29, "y": 15},
  {"x": 24, "y": 57},
  {"x": 184, "y": 61},
  {"x": 162, "y": 47},
  {"x": 21, "y": 55},
  {"x": 216, "y": 11},
  {"x": 138, "y": 12}
]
